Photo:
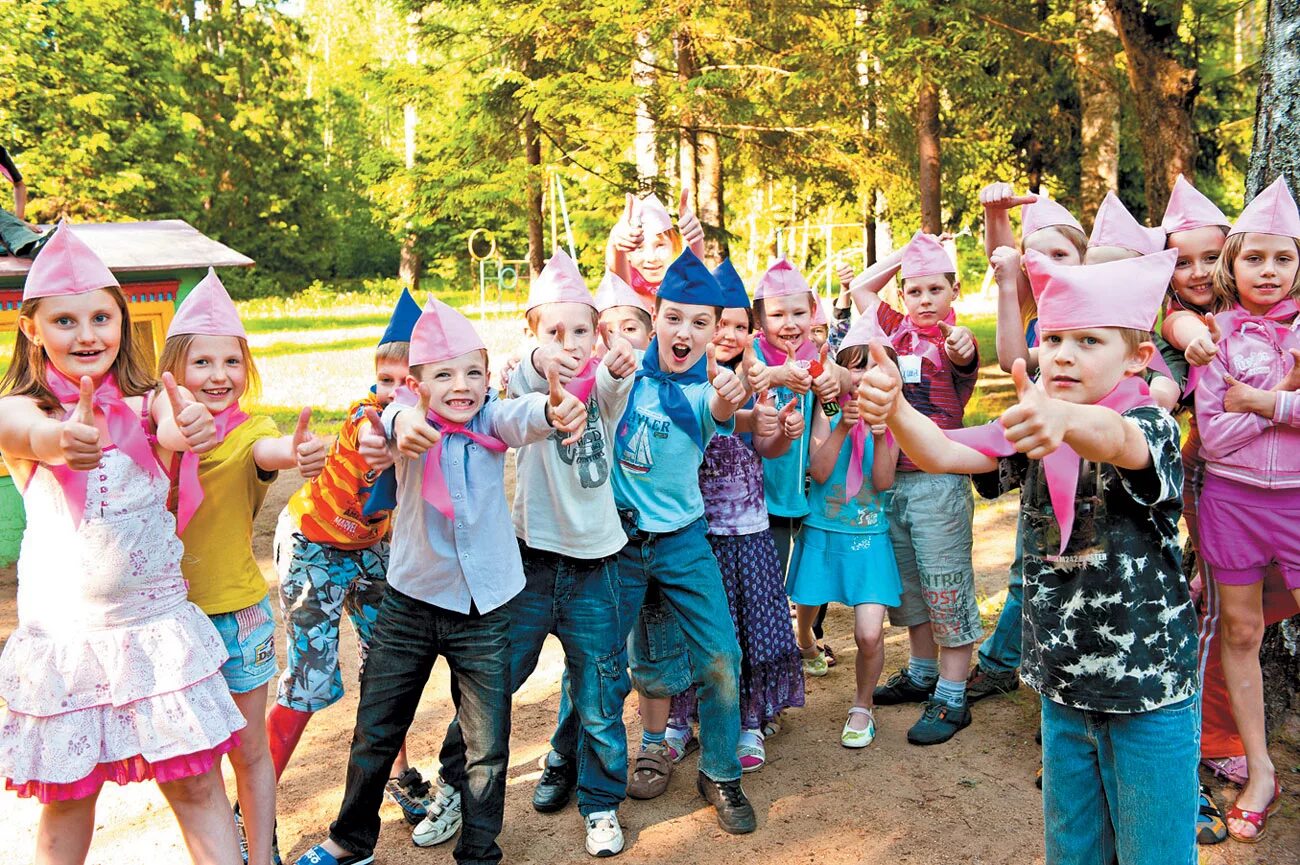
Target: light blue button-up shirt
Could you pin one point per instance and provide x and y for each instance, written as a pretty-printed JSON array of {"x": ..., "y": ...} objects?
[{"x": 473, "y": 557}]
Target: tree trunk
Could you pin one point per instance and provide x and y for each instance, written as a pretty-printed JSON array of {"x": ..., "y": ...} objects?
[
  {"x": 643, "y": 78},
  {"x": 927, "y": 143},
  {"x": 530, "y": 132},
  {"x": 1164, "y": 83},
  {"x": 409, "y": 263},
  {"x": 1099, "y": 98},
  {"x": 686, "y": 67},
  {"x": 709, "y": 195}
]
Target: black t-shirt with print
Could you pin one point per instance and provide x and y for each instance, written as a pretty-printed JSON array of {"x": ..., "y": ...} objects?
[{"x": 1108, "y": 625}]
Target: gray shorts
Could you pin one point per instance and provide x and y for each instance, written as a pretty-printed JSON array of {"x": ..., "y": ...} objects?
[{"x": 930, "y": 527}]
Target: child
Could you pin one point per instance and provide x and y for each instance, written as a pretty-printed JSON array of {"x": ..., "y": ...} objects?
[
  {"x": 622, "y": 313},
  {"x": 843, "y": 553},
  {"x": 678, "y": 401},
  {"x": 1116, "y": 234},
  {"x": 1248, "y": 412},
  {"x": 1109, "y": 630},
  {"x": 111, "y": 674},
  {"x": 218, "y": 497},
  {"x": 449, "y": 577},
  {"x": 331, "y": 555},
  {"x": 569, "y": 536},
  {"x": 731, "y": 482},
  {"x": 645, "y": 234}
]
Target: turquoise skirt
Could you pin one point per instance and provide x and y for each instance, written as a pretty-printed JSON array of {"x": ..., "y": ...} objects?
[{"x": 844, "y": 568}]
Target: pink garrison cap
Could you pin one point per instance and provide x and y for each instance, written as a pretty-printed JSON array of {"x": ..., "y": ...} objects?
[
  {"x": 1045, "y": 213},
  {"x": 924, "y": 255},
  {"x": 1189, "y": 209},
  {"x": 819, "y": 318},
  {"x": 559, "y": 282},
  {"x": 614, "y": 291},
  {"x": 65, "y": 265},
  {"x": 207, "y": 311},
  {"x": 442, "y": 333},
  {"x": 1115, "y": 226},
  {"x": 652, "y": 215},
  {"x": 781, "y": 280},
  {"x": 1273, "y": 211},
  {"x": 1125, "y": 293},
  {"x": 865, "y": 331}
]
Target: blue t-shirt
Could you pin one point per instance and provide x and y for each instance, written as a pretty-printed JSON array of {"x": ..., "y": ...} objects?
[
  {"x": 657, "y": 464},
  {"x": 783, "y": 477},
  {"x": 865, "y": 513}
]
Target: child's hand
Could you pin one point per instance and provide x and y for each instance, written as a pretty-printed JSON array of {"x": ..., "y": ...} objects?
[
  {"x": 508, "y": 369},
  {"x": 309, "y": 450},
  {"x": 852, "y": 413},
  {"x": 1035, "y": 425},
  {"x": 372, "y": 444},
  {"x": 620, "y": 360},
  {"x": 554, "y": 353},
  {"x": 564, "y": 411},
  {"x": 1246, "y": 399},
  {"x": 725, "y": 382},
  {"x": 412, "y": 432},
  {"x": 758, "y": 375},
  {"x": 1292, "y": 379},
  {"x": 1204, "y": 348},
  {"x": 193, "y": 420},
  {"x": 879, "y": 389},
  {"x": 793, "y": 376},
  {"x": 959, "y": 343},
  {"x": 766, "y": 424},
  {"x": 845, "y": 275},
  {"x": 79, "y": 435},
  {"x": 827, "y": 385},
  {"x": 687, "y": 222},
  {"x": 879, "y": 429},
  {"x": 791, "y": 419},
  {"x": 625, "y": 236},
  {"x": 1002, "y": 196},
  {"x": 1005, "y": 262}
]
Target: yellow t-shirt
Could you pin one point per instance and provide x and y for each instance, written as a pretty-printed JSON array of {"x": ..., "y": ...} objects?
[{"x": 218, "y": 562}]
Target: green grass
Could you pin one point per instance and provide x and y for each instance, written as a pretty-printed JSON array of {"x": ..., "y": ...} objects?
[
  {"x": 313, "y": 322},
  {"x": 279, "y": 349},
  {"x": 324, "y": 422}
]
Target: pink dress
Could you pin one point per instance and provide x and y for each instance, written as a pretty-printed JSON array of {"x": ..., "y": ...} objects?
[{"x": 112, "y": 674}]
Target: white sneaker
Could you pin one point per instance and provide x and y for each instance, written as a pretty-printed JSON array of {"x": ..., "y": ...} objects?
[
  {"x": 443, "y": 819},
  {"x": 604, "y": 835}
]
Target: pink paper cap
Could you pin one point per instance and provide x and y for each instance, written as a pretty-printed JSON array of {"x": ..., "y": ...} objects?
[
  {"x": 865, "y": 331},
  {"x": 441, "y": 334},
  {"x": 781, "y": 280},
  {"x": 65, "y": 265},
  {"x": 559, "y": 282},
  {"x": 207, "y": 311},
  {"x": 1189, "y": 208},
  {"x": 1115, "y": 226},
  {"x": 614, "y": 291},
  {"x": 819, "y": 318},
  {"x": 924, "y": 255},
  {"x": 1273, "y": 211},
  {"x": 1045, "y": 213},
  {"x": 1125, "y": 293},
  {"x": 653, "y": 216}
]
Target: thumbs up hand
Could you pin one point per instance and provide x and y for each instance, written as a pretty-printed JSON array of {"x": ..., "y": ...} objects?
[
  {"x": 620, "y": 360},
  {"x": 757, "y": 374},
  {"x": 689, "y": 225},
  {"x": 565, "y": 411},
  {"x": 1203, "y": 349},
  {"x": 791, "y": 419},
  {"x": 793, "y": 376},
  {"x": 766, "y": 424},
  {"x": 308, "y": 449},
  {"x": 79, "y": 437},
  {"x": 627, "y": 235},
  {"x": 193, "y": 420},
  {"x": 1002, "y": 196},
  {"x": 826, "y": 383},
  {"x": 959, "y": 344},
  {"x": 845, "y": 275},
  {"x": 879, "y": 389},
  {"x": 372, "y": 443},
  {"x": 725, "y": 382},
  {"x": 411, "y": 429},
  {"x": 557, "y": 352},
  {"x": 1035, "y": 424}
]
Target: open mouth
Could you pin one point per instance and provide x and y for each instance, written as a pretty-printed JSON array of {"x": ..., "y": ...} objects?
[
  {"x": 460, "y": 404},
  {"x": 217, "y": 392},
  {"x": 87, "y": 355},
  {"x": 681, "y": 352}
]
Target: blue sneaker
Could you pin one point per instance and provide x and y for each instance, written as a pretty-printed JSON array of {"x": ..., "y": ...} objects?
[
  {"x": 411, "y": 793},
  {"x": 318, "y": 855}
]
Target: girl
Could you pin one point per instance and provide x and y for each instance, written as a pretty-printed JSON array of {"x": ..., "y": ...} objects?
[
  {"x": 218, "y": 495},
  {"x": 111, "y": 673},
  {"x": 645, "y": 234},
  {"x": 731, "y": 481},
  {"x": 1248, "y": 412},
  {"x": 843, "y": 553}
]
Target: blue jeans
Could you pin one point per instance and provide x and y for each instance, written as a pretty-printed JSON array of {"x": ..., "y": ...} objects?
[
  {"x": 1000, "y": 653},
  {"x": 577, "y": 600},
  {"x": 409, "y": 636},
  {"x": 1121, "y": 788}
]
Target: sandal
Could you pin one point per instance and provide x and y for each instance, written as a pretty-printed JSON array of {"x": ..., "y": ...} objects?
[
  {"x": 750, "y": 751},
  {"x": 1210, "y": 826},
  {"x": 1231, "y": 769},
  {"x": 852, "y": 738},
  {"x": 650, "y": 774},
  {"x": 772, "y": 727},
  {"x": 680, "y": 743},
  {"x": 815, "y": 666},
  {"x": 828, "y": 654},
  {"x": 1258, "y": 819}
]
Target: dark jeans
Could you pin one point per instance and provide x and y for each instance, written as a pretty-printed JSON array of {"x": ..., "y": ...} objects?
[
  {"x": 577, "y": 600},
  {"x": 409, "y": 637}
]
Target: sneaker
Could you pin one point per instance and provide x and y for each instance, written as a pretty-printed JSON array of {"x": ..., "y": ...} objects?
[
  {"x": 816, "y": 666},
  {"x": 555, "y": 787},
  {"x": 411, "y": 793},
  {"x": 939, "y": 723},
  {"x": 735, "y": 814},
  {"x": 898, "y": 688},
  {"x": 442, "y": 820},
  {"x": 983, "y": 683},
  {"x": 680, "y": 743},
  {"x": 750, "y": 751},
  {"x": 651, "y": 771},
  {"x": 604, "y": 835},
  {"x": 243, "y": 839},
  {"x": 318, "y": 855},
  {"x": 851, "y": 737}
]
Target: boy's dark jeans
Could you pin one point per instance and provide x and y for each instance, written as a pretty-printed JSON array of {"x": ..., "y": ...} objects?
[{"x": 409, "y": 637}]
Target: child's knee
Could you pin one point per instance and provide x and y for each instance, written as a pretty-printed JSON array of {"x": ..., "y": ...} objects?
[
  {"x": 1242, "y": 633},
  {"x": 195, "y": 790},
  {"x": 870, "y": 639}
]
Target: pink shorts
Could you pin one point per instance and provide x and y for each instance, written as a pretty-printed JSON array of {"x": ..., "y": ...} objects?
[{"x": 1245, "y": 529}]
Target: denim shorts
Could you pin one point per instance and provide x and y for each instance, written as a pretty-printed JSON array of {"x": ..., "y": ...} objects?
[{"x": 249, "y": 635}]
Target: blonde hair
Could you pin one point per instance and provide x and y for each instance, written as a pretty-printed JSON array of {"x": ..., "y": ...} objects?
[
  {"x": 1077, "y": 238},
  {"x": 1225, "y": 282},
  {"x": 398, "y": 350},
  {"x": 176, "y": 352},
  {"x": 532, "y": 315},
  {"x": 26, "y": 373}
]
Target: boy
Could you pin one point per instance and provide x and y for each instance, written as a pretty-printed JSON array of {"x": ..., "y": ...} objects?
[
  {"x": 449, "y": 579},
  {"x": 569, "y": 536},
  {"x": 1109, "y": 633},
  {"x": 621, "y": 312}
]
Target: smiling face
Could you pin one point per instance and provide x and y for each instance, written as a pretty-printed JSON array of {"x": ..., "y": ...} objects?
[
  {"x": 576, "y": 319},
  {"x": 1082, "y": 366},
  {"x": 1198, "y": 251},
  {"x": 215, "y": 371},
  {"x": 457, "y": 387},
  {"x": 732, "y": 335},
  {"x": 787, "y": 321},
  {"x": 928, "y": 298},
  {"x": 1052, "y": 242},
  {"x": 683, "y": 331},
  {"x": 80, "y": 333},
  {"x": 652, "y": 257},
  {"x": 1265, "y": 270},
  {"x": 630, "y": 322}
]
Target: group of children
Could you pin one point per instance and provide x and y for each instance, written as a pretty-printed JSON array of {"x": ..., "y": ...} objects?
[{"x": 688, "y": 463}]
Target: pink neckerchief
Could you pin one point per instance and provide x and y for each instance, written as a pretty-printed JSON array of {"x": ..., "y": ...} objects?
[
  {"x": 858, "y": 443},
  {"x": 775, "y": 356},
  {"x": 1062, "y": 465},
  {"x": 124, "y": 428},
  {"x": 584, "y": 379},
  {"x": 435, "y": 482},
  {"x": 189, "y": 492},
  {"x": 644, "y": 287},
  {"x": 908, "y": 338},
  {"x": 1274, "y": 324}
]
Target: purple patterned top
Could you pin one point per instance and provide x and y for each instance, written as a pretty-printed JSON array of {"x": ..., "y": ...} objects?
[{"x": 731, "y": 481}]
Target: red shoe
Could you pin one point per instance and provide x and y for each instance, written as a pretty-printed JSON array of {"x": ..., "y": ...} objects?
[{"x": 1258, "y": 819}]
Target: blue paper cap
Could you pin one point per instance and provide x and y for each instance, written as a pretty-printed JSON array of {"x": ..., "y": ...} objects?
[
  {"x": 733, "y": 288},
  {"x": 405, "y": 315},
  {"x": 689, "y": 281}
]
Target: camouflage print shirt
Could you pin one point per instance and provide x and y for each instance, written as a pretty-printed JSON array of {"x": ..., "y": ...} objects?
[{"x": 1108, "y": 626}]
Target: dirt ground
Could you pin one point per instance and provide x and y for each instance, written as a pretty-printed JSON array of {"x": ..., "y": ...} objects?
[{"x": 971, "y": 800}]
